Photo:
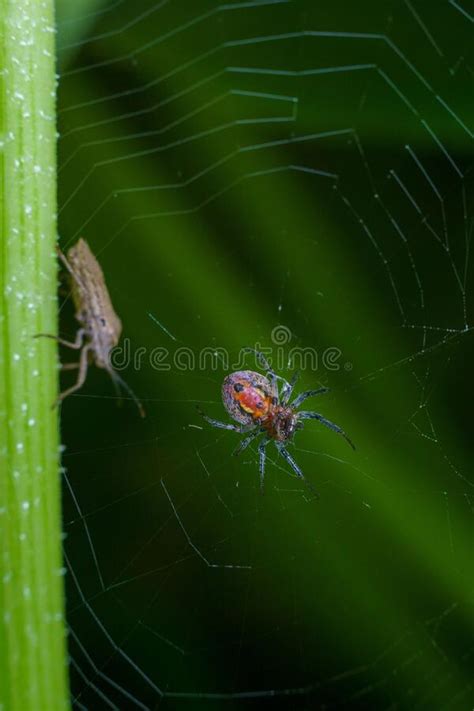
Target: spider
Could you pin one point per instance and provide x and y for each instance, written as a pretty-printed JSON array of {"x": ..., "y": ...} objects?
[{"x": 260, "y": 407}]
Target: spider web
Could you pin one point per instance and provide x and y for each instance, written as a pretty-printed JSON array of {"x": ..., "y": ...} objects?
[{"x": 289, "y": 174}]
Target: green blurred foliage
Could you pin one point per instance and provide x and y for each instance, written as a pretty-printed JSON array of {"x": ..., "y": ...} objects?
[{"x": 318, "y": 180}]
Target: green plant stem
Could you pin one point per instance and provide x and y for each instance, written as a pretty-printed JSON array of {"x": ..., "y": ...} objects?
[{"x": 33, "y": 672}]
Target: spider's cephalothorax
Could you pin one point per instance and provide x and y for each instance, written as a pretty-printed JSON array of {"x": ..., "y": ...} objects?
[
  {"x": 282, "y": 423},
  {"x": 260, "y": 407}
]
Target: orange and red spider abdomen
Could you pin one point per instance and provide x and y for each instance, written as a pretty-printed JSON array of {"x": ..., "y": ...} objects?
[{"x": 247, "y": 397}]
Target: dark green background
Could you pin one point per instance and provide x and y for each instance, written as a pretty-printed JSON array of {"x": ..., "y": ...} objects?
[{"x": 191, "y": 159}]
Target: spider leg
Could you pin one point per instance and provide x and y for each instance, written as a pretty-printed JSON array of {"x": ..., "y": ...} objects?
[
  {"x": 246, "y": 441},
  {"x": 286, "y": 455},
  {"x": 270, "y": 373},
  {"x": 261, "y": 359},
  {"x": 224, "y": 425},
  {"x": 327, "y": 423},
  {"x": 262, "y": 456},
  {"x": 288, "y": 388},
  {"x": 308, "y": 393}
]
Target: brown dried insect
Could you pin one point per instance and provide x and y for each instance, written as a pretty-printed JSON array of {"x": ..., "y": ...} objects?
[{"x": 100, "y": 326}]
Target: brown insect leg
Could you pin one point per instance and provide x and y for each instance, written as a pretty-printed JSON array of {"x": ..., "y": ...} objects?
[
  {"x": 70, "y": 366},
  {"x": 76, "y": 345},
  {"x": 81, "y": 377}
]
